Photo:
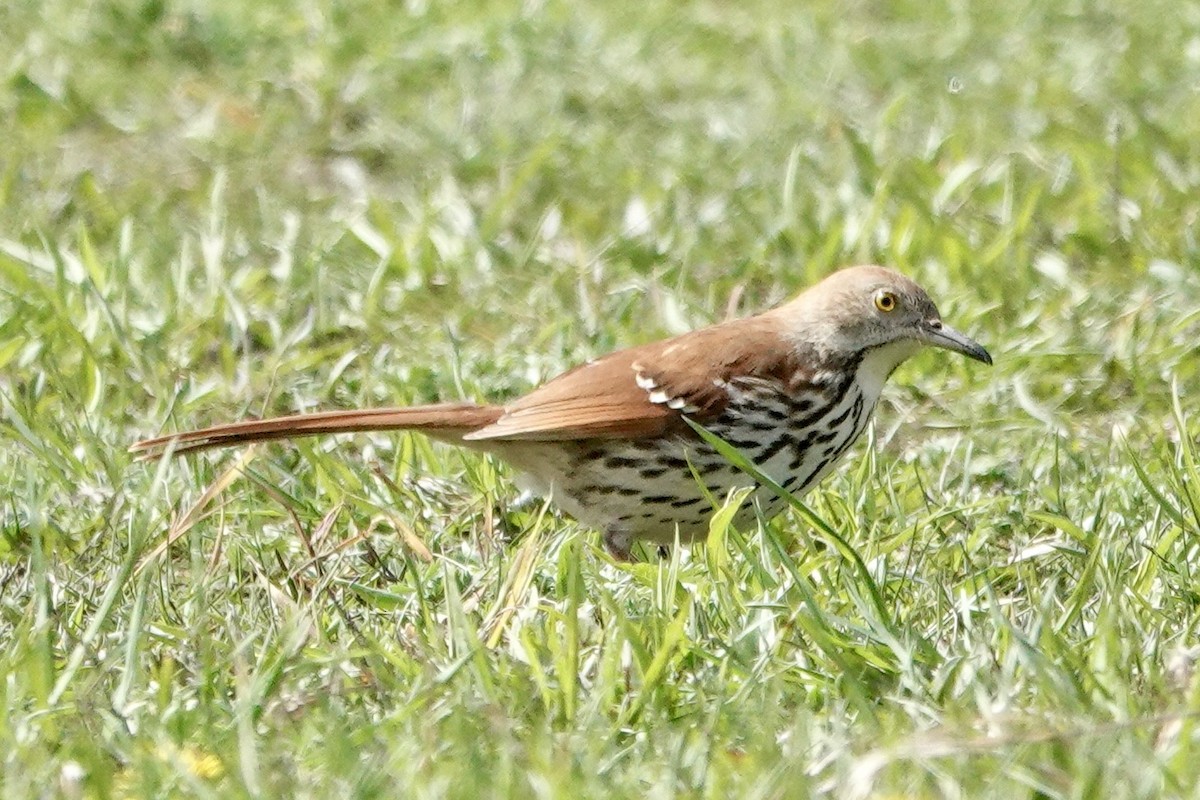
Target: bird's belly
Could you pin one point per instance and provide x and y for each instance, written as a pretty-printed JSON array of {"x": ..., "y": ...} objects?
[
  {"x": 660, "y": 488},
  {"x": 658, "y": 494},
  {"x": 647, "y": 502}
]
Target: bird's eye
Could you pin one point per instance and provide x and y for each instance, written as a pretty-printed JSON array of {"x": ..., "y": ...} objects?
[{"x": 885, "y": 301}]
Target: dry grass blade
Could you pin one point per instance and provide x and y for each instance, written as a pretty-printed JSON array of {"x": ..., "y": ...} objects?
[
  {"x": 196, "y": 511},
  {"x": 516, "y": 585}
]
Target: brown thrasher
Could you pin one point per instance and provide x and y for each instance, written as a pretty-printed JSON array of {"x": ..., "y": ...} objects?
[{"x": 607, "y": 441}]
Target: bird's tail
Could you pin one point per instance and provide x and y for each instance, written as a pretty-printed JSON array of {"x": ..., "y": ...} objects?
[{"x": 447, "y": 421}]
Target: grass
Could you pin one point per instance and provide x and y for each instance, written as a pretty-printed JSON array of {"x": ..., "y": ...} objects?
[{"x": 214, "y": 210}]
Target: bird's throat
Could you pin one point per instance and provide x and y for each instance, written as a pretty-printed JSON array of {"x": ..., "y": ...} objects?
[{"x": 879, "y": 363}]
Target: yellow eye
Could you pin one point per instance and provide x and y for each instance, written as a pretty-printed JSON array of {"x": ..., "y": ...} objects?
[{"x": 885, "y": 301}]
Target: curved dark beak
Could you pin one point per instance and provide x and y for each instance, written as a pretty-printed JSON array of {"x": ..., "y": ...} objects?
[{"x": 939, "y": 334}]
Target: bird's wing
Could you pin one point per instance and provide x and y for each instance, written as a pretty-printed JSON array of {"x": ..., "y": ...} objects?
[{"x": 646, "y": 390}]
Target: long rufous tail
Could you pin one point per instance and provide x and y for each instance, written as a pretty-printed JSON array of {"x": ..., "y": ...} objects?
[{"x": 450, "y": 421}]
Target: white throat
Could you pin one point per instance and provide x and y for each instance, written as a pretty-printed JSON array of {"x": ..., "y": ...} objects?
[{"x": 879, "y": 363}]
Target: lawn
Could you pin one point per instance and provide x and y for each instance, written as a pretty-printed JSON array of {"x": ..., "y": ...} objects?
[{"x": 219, "y": 210}]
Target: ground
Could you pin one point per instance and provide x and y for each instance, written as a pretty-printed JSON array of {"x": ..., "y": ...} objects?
[{"x": 215, "y": 210}]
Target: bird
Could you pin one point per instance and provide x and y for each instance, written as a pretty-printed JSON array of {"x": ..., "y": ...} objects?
[{"x": 609, "y": 441}]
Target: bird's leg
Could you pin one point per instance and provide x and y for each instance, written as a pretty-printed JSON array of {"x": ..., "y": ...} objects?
[{"x": 618, "y": 542}]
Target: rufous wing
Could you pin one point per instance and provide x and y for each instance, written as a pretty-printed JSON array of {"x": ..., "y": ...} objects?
[{"x": 645, "y": 391}]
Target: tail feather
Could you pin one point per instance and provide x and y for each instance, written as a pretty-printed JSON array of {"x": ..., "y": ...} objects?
[{"x": 449, "y": 421}]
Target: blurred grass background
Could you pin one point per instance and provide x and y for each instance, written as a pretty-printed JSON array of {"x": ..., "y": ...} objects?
[{"x": 211, "y": 210}]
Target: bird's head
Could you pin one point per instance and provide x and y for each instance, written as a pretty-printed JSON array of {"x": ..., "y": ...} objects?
[{"x": 864, "y": 310}]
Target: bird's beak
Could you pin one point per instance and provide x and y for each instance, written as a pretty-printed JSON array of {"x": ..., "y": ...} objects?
[{"x": 939, "y": 334}]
